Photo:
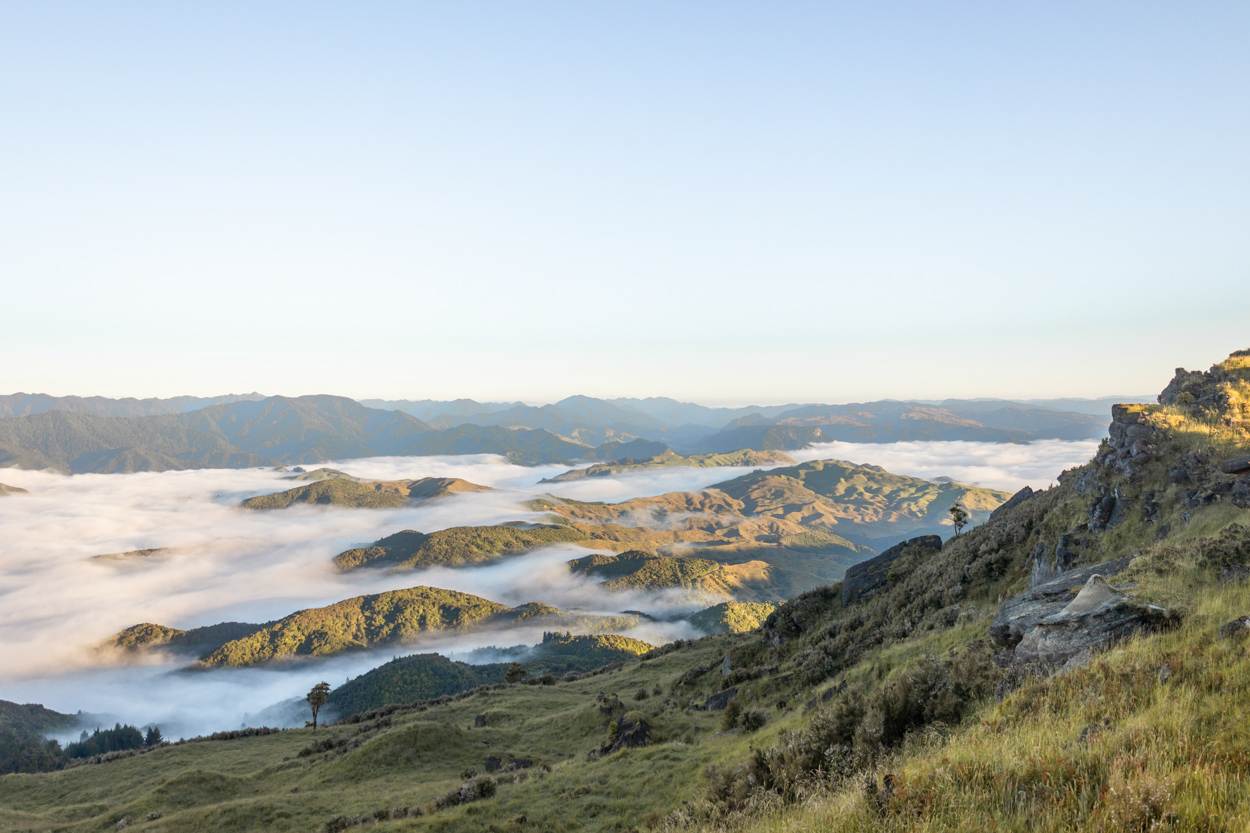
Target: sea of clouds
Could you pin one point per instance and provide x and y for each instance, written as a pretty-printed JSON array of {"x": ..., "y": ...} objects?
[{"x": 58, "y": 602}]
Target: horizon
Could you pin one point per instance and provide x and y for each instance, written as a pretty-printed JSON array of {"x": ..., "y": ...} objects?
[{"x": 538, "y": 403}]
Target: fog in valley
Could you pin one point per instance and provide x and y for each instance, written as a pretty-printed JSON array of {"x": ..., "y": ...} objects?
[{"x": 59, "y": 601}]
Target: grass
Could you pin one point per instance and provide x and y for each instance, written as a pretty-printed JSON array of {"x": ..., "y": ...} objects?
[
  {"x": 879, "y": 715},
  {"x": 1115, "y": 746},
  {"x": 263, "y": 783}
]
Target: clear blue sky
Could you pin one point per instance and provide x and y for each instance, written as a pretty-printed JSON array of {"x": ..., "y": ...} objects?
[{"x": 713, "y": 200}]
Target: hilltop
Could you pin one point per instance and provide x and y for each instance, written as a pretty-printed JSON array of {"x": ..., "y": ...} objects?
[
  {"x": 765, "y": 535},
  {"x": 957, "y": 685},
  {"x": 6, "y": 490},
  {"x": 194, "y": 642},
  {"x": 634, "y": 570},
  {"x": 366, "y": 494},
  {"x": 820, "y": 504},
  {"x": 393, "y": 617},
  {"x": 671, "y": 459},
  {"x": 454, "y": 547},
  {"x": 430, "y": 676},
  {"x": 732, "y": 617}
]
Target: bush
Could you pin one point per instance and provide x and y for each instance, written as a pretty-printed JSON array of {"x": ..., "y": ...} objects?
[
  {"x": 474, "y": 789},
  {"x": 752, "y": 721},
  {"x": 108, "y": 740}
]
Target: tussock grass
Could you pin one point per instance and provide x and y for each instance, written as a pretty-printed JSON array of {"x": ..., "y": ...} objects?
[{"x": 1152, "y": 735}]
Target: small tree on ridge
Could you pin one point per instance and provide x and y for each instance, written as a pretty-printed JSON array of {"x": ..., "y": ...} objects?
[{"x": 316, "y": 699}]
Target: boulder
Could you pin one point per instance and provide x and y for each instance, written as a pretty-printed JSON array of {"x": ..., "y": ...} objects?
[
  {"x": 1236, "y": 629},
  {"x": 1236, "y": 465},
  {"x": 1097, "y": 617},
  {"x": 1022, "y": 612},
  {"x": 630, "y": 729},
  {"x": 1239, "y": 494},
  {"x": 865, "y": 578},
  {"x": 720, "y": 699}
]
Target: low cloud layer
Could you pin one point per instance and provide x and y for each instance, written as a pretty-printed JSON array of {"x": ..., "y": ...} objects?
[
  {"x": 1007, "y": 466},
  {"x": 57, "y": 602}
]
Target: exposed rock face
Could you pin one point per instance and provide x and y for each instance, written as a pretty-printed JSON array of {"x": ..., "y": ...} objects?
[
  {"x": 1236, "y": 465},
  {"x": 1020, "y": 614},
  {"x": 1131, "y": 440},
  {"x": 1096, "y": 618},
  {"x": 630, "y": 729},
  {"x": 1047, "y": 567},
  {"x": 866, "y": 577},
  {"x": 1184, "y": 383},
  {"x": 1014, "y": 501},
  {"x": 720, "y": 699}
]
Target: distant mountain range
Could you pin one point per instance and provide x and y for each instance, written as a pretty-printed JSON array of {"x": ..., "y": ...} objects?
[
  {"x": 94, "y": 434},
  {"x": 692, "y": 428},
  {"x": 28, "y": 404},
  {"x": 265, "y": 432}
]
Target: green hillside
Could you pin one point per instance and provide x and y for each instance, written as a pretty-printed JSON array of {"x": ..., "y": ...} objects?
[
  {"x": 194, "y": 642},
  {"x": 454, "y": 547},
  {"x": 364, "y": 622},
  {"x": 1077, "y": 662},
  {"x": 363, "y": 494},
  {"x": 636, "y": 570},
  {"x": 732, "y": 617},
  {"x": 671, "y": 459},
  {"x": 429, "y": 676},
  {"x": 410, "y": 679}
]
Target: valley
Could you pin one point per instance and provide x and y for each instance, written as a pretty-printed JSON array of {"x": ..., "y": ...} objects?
[{"x": 574, "y": 628}]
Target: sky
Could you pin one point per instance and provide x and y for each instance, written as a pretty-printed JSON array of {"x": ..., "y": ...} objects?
[{"x": 718, "y": 201}]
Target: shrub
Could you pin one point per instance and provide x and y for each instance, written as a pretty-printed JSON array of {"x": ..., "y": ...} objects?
[{"x": 752, "y": 721}]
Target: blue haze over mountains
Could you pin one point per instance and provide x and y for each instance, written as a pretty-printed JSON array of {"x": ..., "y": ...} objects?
[{"x": 96, "y": 434}]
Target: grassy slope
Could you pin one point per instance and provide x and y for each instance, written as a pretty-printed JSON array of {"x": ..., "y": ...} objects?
[
  {"x": 453, "y": 547},
  {"x": 1113, "y": 746}
]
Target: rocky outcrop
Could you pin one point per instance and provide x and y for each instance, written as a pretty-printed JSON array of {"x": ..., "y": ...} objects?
[
  {"x": 1020, "y": 614},
  {"x": 1131, "y": 440},
  {"x": 720, "y": 699},
  {"x": 1236, "y": 465},
  {"x": 1013, "y": 501},
  {"x": 1239, "y": 628},
  {"x": 629, "y": 730},
  {"x": 1047, "y": 565},
  {"x": 866, "y": 577},
  {"x": 1097, "y": 617}
]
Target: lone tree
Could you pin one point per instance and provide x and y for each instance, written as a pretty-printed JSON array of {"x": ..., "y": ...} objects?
[
  {"x": 515, "y": 673},
  {"x": 959, "y": 517},
  {"x": 316, "y": 699}
]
